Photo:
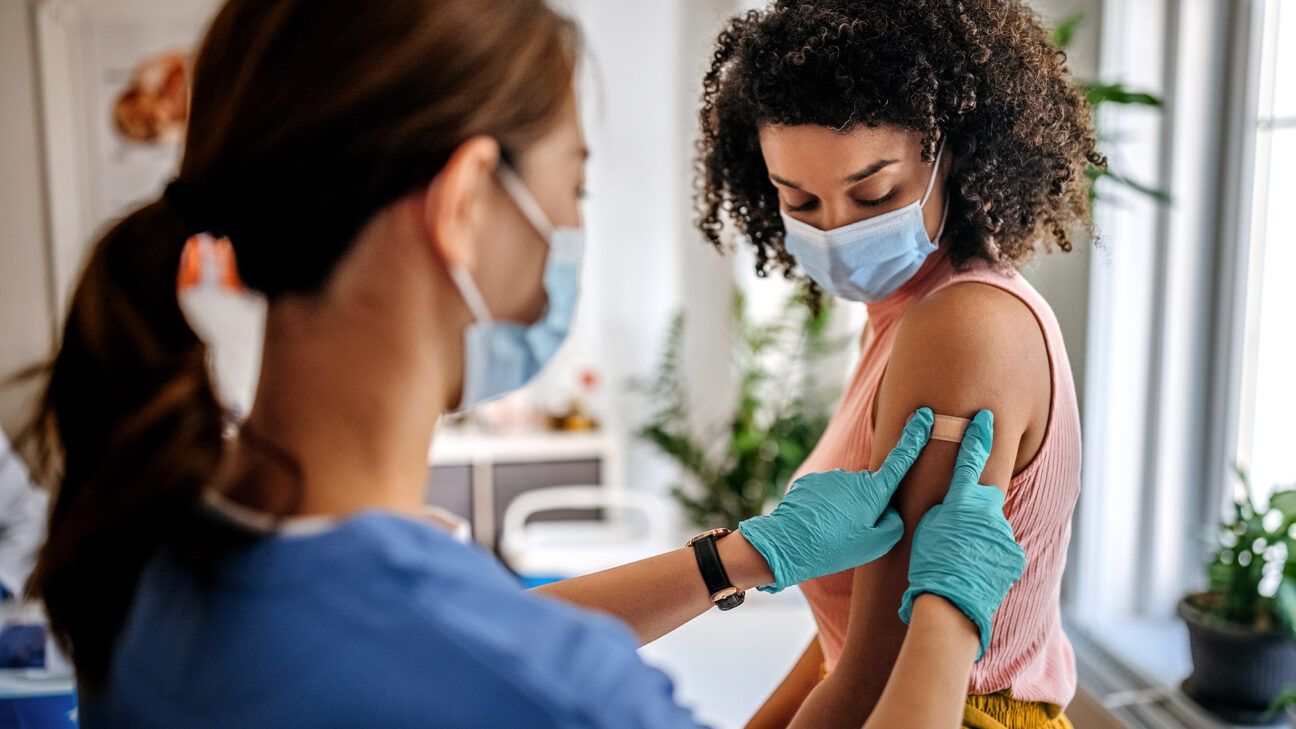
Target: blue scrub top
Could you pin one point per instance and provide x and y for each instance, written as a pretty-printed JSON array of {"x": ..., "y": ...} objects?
[{"x": 380, "y": 621}]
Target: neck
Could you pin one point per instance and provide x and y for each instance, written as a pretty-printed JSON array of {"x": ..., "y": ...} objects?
[
  {"x": 353, "y": 381},
  {"x": 899, "y": 300}
]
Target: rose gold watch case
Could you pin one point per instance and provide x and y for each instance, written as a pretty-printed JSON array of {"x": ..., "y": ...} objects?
[
  {"x": 717, "y": 533},
  {"x": 725, "y": 593}
]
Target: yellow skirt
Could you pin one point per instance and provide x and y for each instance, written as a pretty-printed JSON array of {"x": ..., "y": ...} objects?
[{"x": 1000, "y": 711}]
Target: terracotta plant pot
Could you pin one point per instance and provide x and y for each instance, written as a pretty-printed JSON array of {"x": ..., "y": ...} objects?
[{"x": 1238, "y": 670}]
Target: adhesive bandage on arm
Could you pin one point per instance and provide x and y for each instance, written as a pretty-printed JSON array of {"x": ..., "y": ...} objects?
[{"x": 949, "y": 428}]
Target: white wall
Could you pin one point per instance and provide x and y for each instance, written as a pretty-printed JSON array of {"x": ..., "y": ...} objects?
[
  {"x": 644, "y": 259},
  {"x": 26, "y": 327}
]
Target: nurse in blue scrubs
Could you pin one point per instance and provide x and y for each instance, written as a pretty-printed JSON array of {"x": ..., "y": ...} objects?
[{"x": 401, "y": 181}]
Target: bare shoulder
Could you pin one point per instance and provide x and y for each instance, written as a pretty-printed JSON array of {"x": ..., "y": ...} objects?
[{"x": 974, "y": 319}]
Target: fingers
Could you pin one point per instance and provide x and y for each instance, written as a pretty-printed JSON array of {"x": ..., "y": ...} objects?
[
  {"x": 912, "y": 441},
  {"x": 971, "y": 495},
  {"x": 975, "y": 449}
]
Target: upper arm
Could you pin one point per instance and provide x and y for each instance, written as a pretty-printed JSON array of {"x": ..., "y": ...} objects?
[{"x": 966, "y": 348}]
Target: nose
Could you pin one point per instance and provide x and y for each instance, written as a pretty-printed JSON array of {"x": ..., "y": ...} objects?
[{"x": 840, "y": 213}]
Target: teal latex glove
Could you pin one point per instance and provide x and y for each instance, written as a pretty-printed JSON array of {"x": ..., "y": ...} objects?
[
  {"x": 963, "y": 549},
  {"x": 833, "y": 521}
]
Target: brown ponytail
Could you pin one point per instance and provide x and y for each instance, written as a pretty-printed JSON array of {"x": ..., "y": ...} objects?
[
  {"x": 307, "y": 118},
  {"x": 139, "y": 426}
]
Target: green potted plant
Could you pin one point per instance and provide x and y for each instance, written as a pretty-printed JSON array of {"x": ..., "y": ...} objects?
[
  {"x": 1241, "y": 629},
  {"x": 739, "y": 464}
]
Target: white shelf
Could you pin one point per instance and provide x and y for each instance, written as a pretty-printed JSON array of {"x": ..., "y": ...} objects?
[{"x": 464, "y": 447}]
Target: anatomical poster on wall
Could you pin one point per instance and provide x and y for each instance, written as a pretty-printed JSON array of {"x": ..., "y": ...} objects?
[{"x": 114, "y": 83}]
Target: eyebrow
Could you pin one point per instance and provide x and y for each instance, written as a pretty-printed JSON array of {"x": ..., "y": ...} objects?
[
  {"x": 870, "y": 170},
  {"x": 863, "y": 174}
]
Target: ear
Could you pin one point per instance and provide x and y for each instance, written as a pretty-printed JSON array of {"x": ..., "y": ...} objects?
[{"x": 453, "y": 209}]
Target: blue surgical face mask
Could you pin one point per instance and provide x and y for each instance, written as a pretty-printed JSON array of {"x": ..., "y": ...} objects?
[
  {"x": 866, "y": 261},
  {"x": 503, "y": 356}
]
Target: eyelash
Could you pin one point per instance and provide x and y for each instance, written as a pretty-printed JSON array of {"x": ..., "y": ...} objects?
[{"x": 811, "y": 205}]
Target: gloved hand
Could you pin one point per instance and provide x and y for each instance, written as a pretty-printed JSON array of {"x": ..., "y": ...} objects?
[
  {"x": 963, "y": 549},
  {"x": 833, "y": 521}
]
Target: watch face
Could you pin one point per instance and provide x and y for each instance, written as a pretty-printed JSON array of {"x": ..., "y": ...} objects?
[
  {"x": 732, "y": 601},
  {"x": 724, "y": 594}
]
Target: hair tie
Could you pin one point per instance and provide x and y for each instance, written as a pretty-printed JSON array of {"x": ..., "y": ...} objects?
[{"x": 193, "y": 210}]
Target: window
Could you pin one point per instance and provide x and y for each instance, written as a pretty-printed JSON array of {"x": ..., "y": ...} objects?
[
  {"x": 1192, "y": 302},
  {"x": 1267, "y": 426},
  {"x": 1193, "y": 314}
]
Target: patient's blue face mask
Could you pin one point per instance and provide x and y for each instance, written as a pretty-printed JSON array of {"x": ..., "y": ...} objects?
[
  {"x": 502, "y": 356},
  {"x": 868, "y": 260}
]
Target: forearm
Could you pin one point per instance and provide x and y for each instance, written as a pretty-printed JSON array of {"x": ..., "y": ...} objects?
[
  {"x": 925, "y": 685},
  {"x": 831, "y": 705},
  {"x": 657, "y": 595},
  {"x": 928, "y": 687},
  {"x": 874, "y": 637}
]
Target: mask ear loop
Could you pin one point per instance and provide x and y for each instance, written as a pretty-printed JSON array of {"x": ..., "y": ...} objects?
[
  {"x": 931, "y": 183},
  {"x": 534, "y": 214},
  {"x": 525, "y": 201},
  {"x": 472, "y": 295},
  {"x": 944, "y": 217}
]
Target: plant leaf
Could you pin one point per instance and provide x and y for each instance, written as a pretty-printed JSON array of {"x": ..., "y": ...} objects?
[
  {"x": 1139, "y": 187},
  {"x": 1118, "y": 93},
  {"x": 1285, "y": 700},
  {"x": 1284, "y": 501},
  {"x": 1065, "y": 30},
  {"x": 1285, "y": 605}
]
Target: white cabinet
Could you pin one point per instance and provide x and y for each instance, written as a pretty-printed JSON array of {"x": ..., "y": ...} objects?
[{"x": 475, "y": 475}]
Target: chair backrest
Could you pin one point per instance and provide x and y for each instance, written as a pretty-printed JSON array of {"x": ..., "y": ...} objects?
[{"x": 614, "y": 502}]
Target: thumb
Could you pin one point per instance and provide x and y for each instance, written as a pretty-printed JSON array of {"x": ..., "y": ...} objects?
[
  {"x": 975, "y": 449},
  {"x": 912, "y": 441},
  {"x": 889, "y": 528}
]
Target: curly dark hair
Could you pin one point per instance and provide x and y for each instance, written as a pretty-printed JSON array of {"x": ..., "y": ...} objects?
[{"x": 983, "y": 74}]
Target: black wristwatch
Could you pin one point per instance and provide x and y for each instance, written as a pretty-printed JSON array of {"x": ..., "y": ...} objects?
[{"x": 723, "y": 593}]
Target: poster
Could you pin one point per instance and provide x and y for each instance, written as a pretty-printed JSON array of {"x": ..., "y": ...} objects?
[{"x": 114, "y": 80}]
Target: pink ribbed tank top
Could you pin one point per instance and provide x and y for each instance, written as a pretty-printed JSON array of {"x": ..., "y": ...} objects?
[{"x": 1029, "y": 653}]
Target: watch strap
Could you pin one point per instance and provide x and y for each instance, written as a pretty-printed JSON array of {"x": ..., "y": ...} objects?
[{"x": 718, "y": 585}]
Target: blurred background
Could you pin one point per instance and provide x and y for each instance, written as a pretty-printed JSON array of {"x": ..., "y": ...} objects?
[{"x": 690, "y": 390}]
